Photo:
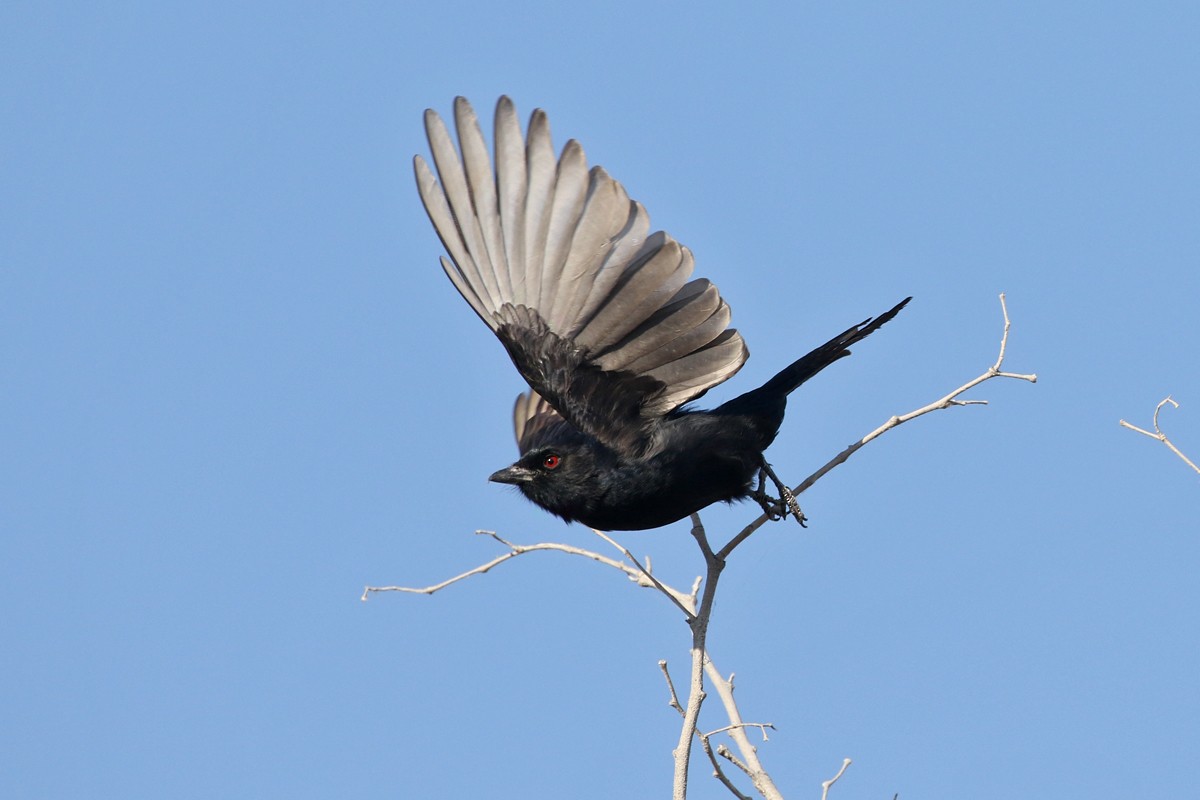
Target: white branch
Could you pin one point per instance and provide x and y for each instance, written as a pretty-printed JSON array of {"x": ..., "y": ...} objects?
[
  {"x": 635, "y": 573},
  {"x": 685, "y": 603},
  {"x": 762, "y": 726},
  {"x": 1159, "y": 435},
  {"x": 826, "y": 784},
  {"x": 947, "y": 401},
  {"x": 737, "y": 732}
]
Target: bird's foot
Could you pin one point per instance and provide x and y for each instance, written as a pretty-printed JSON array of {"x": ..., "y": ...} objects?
[
  {"x": 777, "y": 508},
  {"x": 773, "y": 507}
]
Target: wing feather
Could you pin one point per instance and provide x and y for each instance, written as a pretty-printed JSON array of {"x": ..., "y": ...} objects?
[
  {"x": 482, "y": 187},
  {"x": 688, "y": 342},
  {"x": 512, "y": 186},
  {"x": 629, "y": 242},
  {"x": 570, "y": 191},
  {"x": 597, "y": 313},
  {"x": 684, "y": 376},
  {"x": 693, "y": 306},
  {"x": 604, "y": 213},
  {"x": 541, "y": 166},
  {"x": 478, "y": 270},
  {"x": 650, "y": 282}
]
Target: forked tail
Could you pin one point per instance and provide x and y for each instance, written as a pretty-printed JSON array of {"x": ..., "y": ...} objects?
[{"x": 805, "y": 367}]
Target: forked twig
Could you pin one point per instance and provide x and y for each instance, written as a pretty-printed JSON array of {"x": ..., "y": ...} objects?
[
  {"x": 699, "y": 654},
  {"x": 736, "y": 731},
  {"x": 674, "y": 595},
  {"x": 1159, "y": 435},
  {"x": 640, "y": 575},
  {"x": 762, "y": 727},
  {"x": 718, "y": 770},
  {"x": 826, "y": 784},
  {"x": 515, "y": 550},
  {"x": 951, "y": 399}
]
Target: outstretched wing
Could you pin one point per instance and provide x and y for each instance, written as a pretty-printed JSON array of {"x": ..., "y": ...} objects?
[{"x": 599, "y": 317}]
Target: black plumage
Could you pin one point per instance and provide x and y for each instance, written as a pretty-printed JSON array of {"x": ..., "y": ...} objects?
[{"x": 601, "y": 320}]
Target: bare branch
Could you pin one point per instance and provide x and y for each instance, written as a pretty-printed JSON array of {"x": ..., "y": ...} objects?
[
  {"x": 683, "y": 750},
  {"x": 762, "y": 726},
  {"x": 727, "y": 754},
  {"x": 718, "y": 771},
  {"x": 1159, "y": 435},
  {"x": 674, "y": 701},
  {"x": 699, "y": 625},
  {"x": 701, "y": 665},
  {"x": 635, "y": 573},
  {"x": 685, "y": 604},
  {"x": 737, "y": 732},
  {"x": 826, "y": 784},
  {"x": 948, "y": 401}
]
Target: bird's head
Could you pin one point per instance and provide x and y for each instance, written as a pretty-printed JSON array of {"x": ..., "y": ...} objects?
[{"x": 561, "y": 478}]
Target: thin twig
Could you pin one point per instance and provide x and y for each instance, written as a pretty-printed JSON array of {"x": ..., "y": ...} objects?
[
  {"x": 672, "y": 594},
  {"x": 762, "y": 726},
  {"x": 1159, "y": 435},
  {"x": 826, "y": 784},
  {"x": 947, "y": 401},
  {"x": 719, "y": 771},
  {"x": 737, "y": 732},
  {"x": 634, "y": 573},
  {"x": 727, "y": 754},
  {"x": 674, "y": 701},
  {"x": 753, "y": 768}
]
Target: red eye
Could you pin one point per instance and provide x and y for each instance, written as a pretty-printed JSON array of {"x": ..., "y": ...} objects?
[{"x": 551, "y": 462}]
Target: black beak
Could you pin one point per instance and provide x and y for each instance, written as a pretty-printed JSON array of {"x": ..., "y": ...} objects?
[{"x": 516, "y": 475}]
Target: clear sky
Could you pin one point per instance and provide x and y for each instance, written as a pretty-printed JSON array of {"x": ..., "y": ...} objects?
[{"x": 237, "y": 388}]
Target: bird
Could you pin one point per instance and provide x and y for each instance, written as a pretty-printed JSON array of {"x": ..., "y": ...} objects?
[{"x": 605, "y": 323}]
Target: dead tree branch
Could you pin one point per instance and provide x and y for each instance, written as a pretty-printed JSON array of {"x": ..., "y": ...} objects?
[
  {"x": 635, "y": 571},
  {"x": 737, "y": 732},
  {"x": 1159, "y": 435},
  {"x": 948, "y": 401},
  {"x": 826, "y": 784}
]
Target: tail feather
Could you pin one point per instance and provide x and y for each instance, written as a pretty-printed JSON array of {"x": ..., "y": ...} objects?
[{"x": 807, "y": 366}]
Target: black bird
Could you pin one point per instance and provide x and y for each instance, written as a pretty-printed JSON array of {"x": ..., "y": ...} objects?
[{"x": 601, "y": 321}]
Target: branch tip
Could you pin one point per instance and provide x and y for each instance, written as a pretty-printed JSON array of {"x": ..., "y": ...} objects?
[
  {"x": 1158, "y": 431},
  {"x": 845, "y": 762}
]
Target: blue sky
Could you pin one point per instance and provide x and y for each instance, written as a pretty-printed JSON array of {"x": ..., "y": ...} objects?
[{"x": 238, "y": 388}]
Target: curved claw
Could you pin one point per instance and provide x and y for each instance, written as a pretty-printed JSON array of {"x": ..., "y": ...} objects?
[{"x": 777, "y": 508}]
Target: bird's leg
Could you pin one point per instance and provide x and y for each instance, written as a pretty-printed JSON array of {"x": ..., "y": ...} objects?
[
  {"x": 777, "y": 509},
  {"x": 772, "y": 507}
]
